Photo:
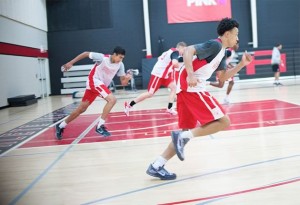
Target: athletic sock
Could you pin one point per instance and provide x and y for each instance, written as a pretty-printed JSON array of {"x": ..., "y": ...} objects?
[
  {"x": 187, "y": 134},
  {"x": 101, "y": 122},
  {"x": 170, "y": 105},
  {"x": 63, "y": 124},
  {"x": 132, "y": 103},
  {"x": 159, "y": 162}
]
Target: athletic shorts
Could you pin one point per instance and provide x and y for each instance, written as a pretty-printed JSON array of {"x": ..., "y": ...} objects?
[
  {"x": 155, "y": 83},
  {"x": 197, "y": 107},
  {"x": 275, "y": 68},
  {"x": 99, "y": 91}
]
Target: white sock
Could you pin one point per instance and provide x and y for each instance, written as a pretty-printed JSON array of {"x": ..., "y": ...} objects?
[
  {"x": 63, "y": 124},
  {"x": 101, "y": 122},
  {"x": 159, "y": 162},
  {"x": 187, "y": 134}
]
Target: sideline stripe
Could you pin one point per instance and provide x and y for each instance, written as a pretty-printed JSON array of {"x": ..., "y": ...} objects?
[
  {"x": 289, "y": 181},
  {"x": 221, "y": 198},
  {"x": 188, "y": 178},
  {"x": 59, "y": 157}
]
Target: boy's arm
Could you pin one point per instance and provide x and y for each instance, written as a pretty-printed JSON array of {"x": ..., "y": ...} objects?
[{"x": 69, "y": 64}]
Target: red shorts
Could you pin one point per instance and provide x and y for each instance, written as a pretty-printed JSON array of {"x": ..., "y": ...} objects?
[
  {"x": 90, "y": 95},
  {"x": 155, "y": 83},
  {"x": 197, "y": 107}
]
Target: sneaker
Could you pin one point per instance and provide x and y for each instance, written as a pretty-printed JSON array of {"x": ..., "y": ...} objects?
[
  {"x": 278, "y": 84},
  {"x": 59, "y": 131},
  {"x": 161, "y": 173},
  {"x": 179, "y": 143},
  {"x": 172, "y": 111},
  {"x": 126, "y": 108},
  {"x": 102, "y": 130}
]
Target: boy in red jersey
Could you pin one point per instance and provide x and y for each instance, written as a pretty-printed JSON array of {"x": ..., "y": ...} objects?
[
  {"x": 162, "y": 74},
  {"x": 194, "y": 103},
  {"x": 101, "y": 75}
]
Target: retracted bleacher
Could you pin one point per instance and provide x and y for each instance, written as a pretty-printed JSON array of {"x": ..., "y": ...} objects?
[{"x": 74, "y": 80}]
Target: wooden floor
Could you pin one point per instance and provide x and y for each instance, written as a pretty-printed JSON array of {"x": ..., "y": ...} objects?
[{"x": 255, "y": 162}]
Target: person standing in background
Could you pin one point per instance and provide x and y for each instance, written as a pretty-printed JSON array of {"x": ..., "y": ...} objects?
[{"x": 276, "y": 61}]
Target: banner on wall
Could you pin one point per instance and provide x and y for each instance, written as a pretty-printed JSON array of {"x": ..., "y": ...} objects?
[{"x": 186, "y": 11}]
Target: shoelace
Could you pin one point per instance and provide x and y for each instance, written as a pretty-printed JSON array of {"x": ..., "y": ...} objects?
[
  {"x": 103, "y": 128},
  {"x": 165, "y": 171}
]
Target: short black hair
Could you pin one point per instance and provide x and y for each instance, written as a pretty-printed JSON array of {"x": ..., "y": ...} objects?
[
  {"x": 228, "y": 53},
  {"x": 226, "y": 24},
  {"x": 119, "y": 50}
]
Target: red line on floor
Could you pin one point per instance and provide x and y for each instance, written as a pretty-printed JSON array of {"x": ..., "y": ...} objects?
[
  {"x": 234, "y": 193},
  {"x": 157, "y": 123}
]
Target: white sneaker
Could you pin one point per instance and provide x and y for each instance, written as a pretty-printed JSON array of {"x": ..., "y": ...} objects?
[
  {"x": 127, "y": 108},
  {"x": 172, "y": 111}
]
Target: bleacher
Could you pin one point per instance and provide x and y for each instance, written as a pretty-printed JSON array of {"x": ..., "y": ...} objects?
[{"x": 75, "y": 80}]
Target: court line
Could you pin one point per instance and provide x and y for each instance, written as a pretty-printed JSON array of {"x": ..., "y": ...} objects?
[
  {"x": 221, "y": 198},
  {"x": 264, "y": 110},
  {"x": 59, "y": 157},
  {"x": 140, "y": 112},
  {"x": 188, "y": 178},
  {"x": 232, "y": 125},
  {"x": 229, "y": 112},
  {"x": 289, "y": 181},
  {"x": 204, "y": 138},
  {"x": 27, "y": 140}
]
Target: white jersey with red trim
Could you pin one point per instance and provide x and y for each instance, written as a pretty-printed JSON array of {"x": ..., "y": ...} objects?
[
  {"x": 210, "y": 56},
  {"x": 103, "y": 71},
  {"x": 163, "y": 66}
]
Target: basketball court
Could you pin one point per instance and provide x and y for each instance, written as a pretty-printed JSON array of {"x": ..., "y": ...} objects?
[{"x": 255, "y": 161}]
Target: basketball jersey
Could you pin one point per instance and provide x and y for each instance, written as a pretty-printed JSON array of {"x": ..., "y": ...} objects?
[
  {"x": 163, "y": 66},
  {"x": 230, "y": 58},
  {"x": 210, "y": 56},
  {"x": 103, "y": 71}
]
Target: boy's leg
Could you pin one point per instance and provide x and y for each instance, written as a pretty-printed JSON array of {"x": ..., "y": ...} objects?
[
  {"x": 111, "y": 100},
  {"x": 153, "y": 85},
  {"x": 207, "y": 111},
  {"x": 172, "y": 96},
  {"x": 87, "y": 99}
]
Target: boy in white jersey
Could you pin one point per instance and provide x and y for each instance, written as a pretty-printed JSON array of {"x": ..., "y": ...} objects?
[
  {"x": 162, "y": 74},
  {"x": 100, "y": 76},
  {"x": 194, "y": 103}
]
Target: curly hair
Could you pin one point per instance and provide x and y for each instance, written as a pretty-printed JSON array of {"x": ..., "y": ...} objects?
[
  {"x": 119, "y": 50},
  {"x": 226, "y": 24}
]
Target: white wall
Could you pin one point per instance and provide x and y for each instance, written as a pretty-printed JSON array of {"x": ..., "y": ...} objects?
[
  {"x": 30, "y": 12},
  {"x": 23, "y": 23}
]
